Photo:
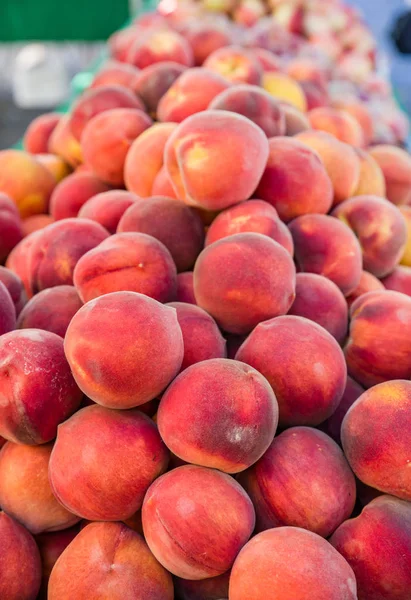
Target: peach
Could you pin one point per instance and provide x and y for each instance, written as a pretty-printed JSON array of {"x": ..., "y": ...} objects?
[
  {"x": 205, "y": 38},
  {"x": 37, "y": 136},
  {"x": 27, "y": 182},
  {"x": 232, "y": 411},
  {"x": 303, "y": 347},
  {"x": 171, "y": 222},
  {"x": 145, "y": 159},
  {"x": 332, "y": 426},
  {"x": 371, "y": 541},
  {"x": 326, "y": 246},
  {"x": 18, "y": 260},
  {"x": 191, "y": 93},
  {"x": 338, "y": 123},
  {"x": 116, "y": 73},
  {"x": 51, "y": 545},
  {"x": 213, "y": 588},
  {"x": 380, "y": 228},
  {"x": 74, "y": 191},
  {"x": 361, "y": 113},
  {"x": 154, "y": 81},
  {"x": 11, "y": 232},
  {"x": 285, "y": 89},
  {"x": 340, "y": 160},
  {"x": 160, "y": 45},
  {"x": 295, "y": 120},
  {"x": 33, "y": 402},
  {"x": 406, "y": 257},
  {"x": 57, "y": 249},
  {"x": 371, "y": 180},
  {"x": 63, "y": 143},
  {"x": 140, "y": 372},
  {"x": 107, "y": 139},
  {"x": 162, "y": 185},
  {"x": 36, "y": 222},
  {"x": 395, "y": 164},
  {"x": 195, "y": 521},
  {"x": 99, "y": 491},
  {"x": 267, "y": 60},
  {"x": 399, "y": 280},
  {"x": 289, "y": 484},
  {"x": 252, "y": 216},
  {"x": 185, "y": 288},
  {"x": 120, "y": 42},
  {"x": 244, "y": 279},
  {"x": 316, "y": 96},
  {"x": 368, "y": 283},
  {"x": 288, "y": 563},
  {"x": 109, "y": 560},
  {"x": 95, "y": 101},
  {"x": 320, "y": 300},
  {"x": 20, "y": 567},
  {"x": 107, "y": 208},
  {"x": 289, "y": 163},
  {"x": 236, "y": 64},
  {"x": 379, "y": 346},
  {"x": 7, "y": 311},
  {"x": 306, "y": 70},
  {"x": 25, "y": 492},
  {"x": 15, "y": 288},
  {"x": 375, "y": 440},
  {"x": 228, "y": 150},
  {"x": 254, "y": 103},
  {"x": 56, "y": 165},
  {"x": 51, "y": 310},
  {"x": 133, "y": 262}
]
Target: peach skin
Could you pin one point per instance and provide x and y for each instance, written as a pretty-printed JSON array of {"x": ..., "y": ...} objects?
[
  {"x": 74, "y": 191},
  {"x": 11, "y": 227},
  {"x": 107, "y": 208},
  {"x": 406, "y": 257},
  {"x": 156, "y": 46},
  {"x": 395, "y": 164},
  {"x": 235, "y": 64},
  {"x": 338, "y": 123},
  {"x": 15, "y": 288},
  {"x": 332, "y": 426},
  {"x": 37, "y": 135},
  {"x": 63, "y": 143},
  {"x": 368, "y": 283},
  {"x": 7, "y": 311},
  {"x": 154, "y": 81},
  {"x": 371, "y": 180},
  {"x": 399, "y": 280}
]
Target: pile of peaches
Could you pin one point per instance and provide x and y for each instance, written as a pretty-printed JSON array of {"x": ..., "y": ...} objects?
[{"x": 205, "y": 324}]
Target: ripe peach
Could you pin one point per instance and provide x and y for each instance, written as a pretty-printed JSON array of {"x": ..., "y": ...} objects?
[
  {"x": 252, "y": 216},
  {"x": 162, "y": 185},
  {"x": 361, "y": 113},
  {"x": 107, "y": 208},
  {"x": 185, "y": 288},
  {"x": 154, "y": 81},
  {"x": 15, "y": 288},
  {"x": 121, "y": 41},
  {"x": 109, "y": 560},
  {"x": 285, "y": 89},
  {"x": 244, "y": 279},
  {"x": 159, "y": 45},
  {"x": 35, "y": 222},
  {"x": 295, "y": 120},
  {"x": 57, "y": 249},
  {"x": 100, "y": 492},
  {"x": 288, "y": 563},
  {"x": 140, "y": 372},
  {"x": 229, "y": 429},
  {"x": 37, "y": 135},
  {"x": 116, "y": 73},
  {"x": 63, "y": 143},
  {"x": 406, "y": 257},
  {"x": 289, "y": 163},
  {"x": 7, "y": 311},
  {"x": 326, "y": 246},
  {"x": 107, "y": 138},
  {"x": 213, "y": 588},
  {"x": 18, "y": 260},
  {"x": 371, "y": 180},
  {"x": 332, "y": 426},
  {"x": 396, "y": 167},
  {"x": 56, "y": 165},
  {"x": 51, "y": 310},
  {"x": 27, "y": 182},
  {"x": 399, "y": 280},
  {"x": 11, "y": 232},
  {"x": 195, "y": 521},
  {"x": 74, "y": 191},
  {"x": 316, "y": 95},
  {"x": 37, "y": 388},
  {"x": 368, "y": 283},
  {"x": 380, "y": 228},
  {"x": 236, "y": 64},
  {"x": 205, "y": 38},
  {"x": 20, "y": 567},
  {"x": 267, "y": 60},
  {"x": 338, "y": 123},
  {"x": 25, "y": 492},
  {"x": 229, "y": 151},
  {"x": 133, "y": 262},
  {"x": 379, "y": 346}
]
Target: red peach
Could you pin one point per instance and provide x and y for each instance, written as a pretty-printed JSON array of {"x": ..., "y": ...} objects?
[
  {"x": 18, "y": 260},
  {"x": 332, "y": 426},
  {"x": 406, "y": 257},
  {"x": 267, "y": 60},
  {"x": 7, "y": 311},
  {"x": 368, "y": 283},
  {"x": 107, "y": 208},
  {"x": 162, "y": 185},
  {"x": 37, "y": 136},
  {"x": 74, "y": 191},
  {"x": 185, "y": 288},
  {"x": 160, "y": 45},
  {"x": 360, "y": 112},
  {"x": 121, "y": 41},
  {"x": 64, "y": 144},
  {"x": 55, "y": 164},
  {"x": 116, "y": 73},
  {"x": 15, "y": 288},
  {"x": 236, "y": 64},
  {"x": 371, "y": 179},
  {"x": 338, "y": 123},
  {"x": 35, "y": 223},
  {"x": 205, "y": 38},
  {"x": 11, "y": 232},
  {"x": 395, "y": 164},
  {"x": 399, "y": 280},
  {"x": 154, "y": 81}
]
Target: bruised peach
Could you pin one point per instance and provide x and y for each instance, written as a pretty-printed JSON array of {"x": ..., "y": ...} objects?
[
  {"x": 11, "y": 232},
  {"x": 116, "y": 73},
  {"x": 15, "y": 288},
  {"x": 235, "y": 64},
  {"x": 63, "y": 143},
  {"x": 375, "y": 440},
  {"x": 395, "y": 164},
  {"x": 371, "y": 180},
  {"x": 228, "y": 150},
  {"x": 145, "y": 159},
  {"x": 27, "y": 182},
  {"x": 102, "y": 493},
  {"x": 57, "y": 249},
  {"x": 399, "y": 280},
  {"x": 55, "y": 164},
  {"x": 303, "y": 347},
  {"x": 159, "y": 45},
  {"x": 229, "y": 430},
  {"x": 288, "y": 484},
  {"x": 185, "y": 288},
  {"x": 7, "y": 311},
  {"x": 286, "y": 562},
  {"x": 135, "y": 262},
  {"x": 338, "y": 123},
  {"x": 244, "y": 279},
  {"x": 18, "y": 260},
  {"x": 107, "y": 208},
  {"x": 51, "y": 545},
  {"x": 326, "y": 246},
  {"x": 368, "y": 283},
  {"x": 51, "y": 310},
  {"x": 74, "y": 191},
  {"x": 109, "y": 560},
  {"x": 205, "y": 38},
  {"x": 37, "y": 388},
  {"x": 379, "y": 346},
  {"x": 285, "y": 89},
  {"x": 332, "y": 426},
  {"x": 195, "y": 521},
  {"x": 171, "y": 222},
  {"x": 37, "y": 135},
  {"x": 213, "y": 588},
  {"x": 380, "y": 228},
  {"x": 140, "y": 372},
  {"x": 154, "y": 81},
  {"x": 25, "y": 491},
  {"x": 107, "y": 139}
]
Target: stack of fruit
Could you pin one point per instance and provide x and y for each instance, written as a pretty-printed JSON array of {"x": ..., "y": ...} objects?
[{"x": 195, "y": 257}]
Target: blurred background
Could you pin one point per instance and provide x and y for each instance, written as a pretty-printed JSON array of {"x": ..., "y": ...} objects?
[{"x": 44, "y": 44}]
